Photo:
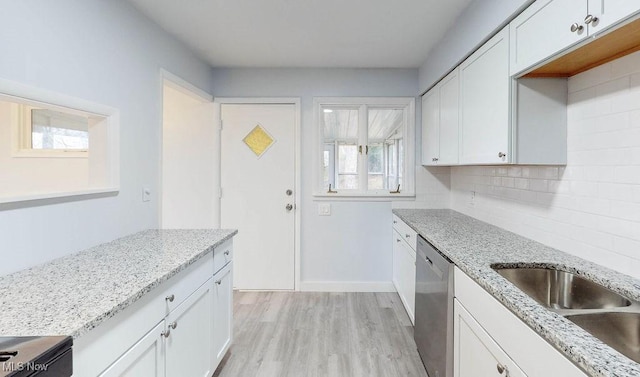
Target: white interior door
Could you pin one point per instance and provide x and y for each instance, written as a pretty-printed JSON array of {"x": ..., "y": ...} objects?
[{"x": 257, "y": 172}]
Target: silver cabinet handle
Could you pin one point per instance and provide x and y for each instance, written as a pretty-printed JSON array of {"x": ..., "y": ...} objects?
[
  {"x": 289, "y": 207},
  {"x": 218, "y": 282},
  {"x": 397, "y": 239},
  {"x": 501, "y": 155},
  {"x": 170, "y": 298},
  {"x": 173, "y": 325},
  {"x": 591, "y": 19},
  {"x": 407, "y": 235},
  {"x": 435, "y": 159},
  {"x": 575, "y": 27},
  {"x": 166, "y": 333},
  {"x": 226, "y": 252},
  {"x": 289, "y": 192},
  {"x": 395, "y": 222}
]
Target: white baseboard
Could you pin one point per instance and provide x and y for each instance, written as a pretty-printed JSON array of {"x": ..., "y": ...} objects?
[{"x": 347, "y": 286}]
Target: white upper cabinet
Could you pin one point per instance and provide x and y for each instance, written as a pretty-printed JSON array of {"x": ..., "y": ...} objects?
[
  {"x": 485, "y": 103},
  {"x": 449, "y": 119},
  {"x": 440, "y": 109},
  {"x": 431, "y": 126},
  {"x": 545, "y": 28},
  {"x": 604, "y": 13},
  {"x": 548, "y": 27}
]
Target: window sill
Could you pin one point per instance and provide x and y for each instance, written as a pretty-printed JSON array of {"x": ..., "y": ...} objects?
[
  {"x": 368, "y": 197},
  {"x": 54, "y": 195}
]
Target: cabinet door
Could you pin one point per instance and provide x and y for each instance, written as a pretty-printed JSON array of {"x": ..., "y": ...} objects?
[
  {"x": 484, "y": 103},
  {"x": 404, "y": 273},
  {"x": 145, "y": 358},
  {"x": 189, "y": 346},
  {"x": 397, "y": 264},
  {"x": 610, "y": 12},
  {"x": 544, "y": 29},
  {"x": 431, "y": 126},
  {"x": 409, "y": 276},
  {"x": 475, "y": 353},
  {"x": 222, "y": 312},
  {"x": 449, "y": 115}
]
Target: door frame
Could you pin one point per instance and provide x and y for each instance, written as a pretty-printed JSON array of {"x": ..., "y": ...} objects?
[{"x": 218, "y": 102}]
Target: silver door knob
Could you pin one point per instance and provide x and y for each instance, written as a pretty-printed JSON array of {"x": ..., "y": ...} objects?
[
  {"x": 575, "y": 27},
  {"x": 289, "y": 192},
  {"x": 590, "y": 19},
  {"x": 289, "y": 207}
]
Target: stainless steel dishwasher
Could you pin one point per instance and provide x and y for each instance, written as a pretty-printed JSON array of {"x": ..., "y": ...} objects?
[{"x": 433, "y": 330}]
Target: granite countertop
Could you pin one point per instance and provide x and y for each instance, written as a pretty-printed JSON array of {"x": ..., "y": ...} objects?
[
  {"x": 474, "y": 246},
  {"x": 74, "y": 294}
]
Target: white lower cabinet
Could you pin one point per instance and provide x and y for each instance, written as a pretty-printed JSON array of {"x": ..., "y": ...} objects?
[
  {"x": 404, "y": 273},
  {"x": 475, "y": 353},
  {"x": 189, "y": 335},
  {"x": 489, "y": 338},
  {"x": 145, "y": 358},
  {"x": 182, "y": 328},
  {"x": 222, "y": 312}
]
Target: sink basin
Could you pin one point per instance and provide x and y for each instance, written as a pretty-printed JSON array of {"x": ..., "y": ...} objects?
[
  {"x": 562, "y": 290},
  {"x": 621, "y": 331}
]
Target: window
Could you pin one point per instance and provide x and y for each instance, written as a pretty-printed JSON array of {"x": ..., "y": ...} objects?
[
  {"x": 55, "y": 145},
  {"x": 46, "y": 132},
  {"x": 363, "y": 144}
]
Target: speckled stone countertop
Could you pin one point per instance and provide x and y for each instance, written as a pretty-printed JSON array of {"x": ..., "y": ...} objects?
[
  {"x": 74, "y": 294},
  {"x": 474, "y": 246}
]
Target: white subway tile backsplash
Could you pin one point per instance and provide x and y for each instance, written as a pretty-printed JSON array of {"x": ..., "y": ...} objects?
[
  {"x": 627, "y": 66},
  {"x": 591, "y": 207}
]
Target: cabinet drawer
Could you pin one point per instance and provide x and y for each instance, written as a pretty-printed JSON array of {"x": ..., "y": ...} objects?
[
  {"x": 408, "y": 234},
  {"x": 222, "y": 255},
  {"x": 475, "y": 352},
  {"x": 192, "y": 278}
]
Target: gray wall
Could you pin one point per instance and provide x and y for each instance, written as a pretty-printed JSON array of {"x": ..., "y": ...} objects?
[
  {"x": 354, "y": 243},
  {"x": 475, "y": 25},
  {"x": 105, "y": 52}
]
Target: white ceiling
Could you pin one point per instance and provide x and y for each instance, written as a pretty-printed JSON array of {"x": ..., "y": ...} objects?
[{"x": 307, "y": 33}]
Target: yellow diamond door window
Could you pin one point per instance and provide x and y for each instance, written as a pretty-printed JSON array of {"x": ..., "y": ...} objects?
[{"x": 258, "y": 140}]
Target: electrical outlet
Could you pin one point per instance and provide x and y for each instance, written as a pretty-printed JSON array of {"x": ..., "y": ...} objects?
[
  {"x": 472, "y": 199},
  {"x": 146, "y": 194},
  {"x": 324, "y": 209}
]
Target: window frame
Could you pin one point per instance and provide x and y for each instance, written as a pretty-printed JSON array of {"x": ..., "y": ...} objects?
[
  {"x": 364, "y": 104},
  {"x": 22, "y": 141}
]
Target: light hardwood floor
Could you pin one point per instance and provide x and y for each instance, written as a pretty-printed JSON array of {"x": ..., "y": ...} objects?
[{"x": 299, "y": 334}]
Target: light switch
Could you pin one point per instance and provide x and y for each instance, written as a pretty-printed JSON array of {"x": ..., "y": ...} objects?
[
  {"x": 146, "y": 194},
  {"x": 324, "y": 209}
]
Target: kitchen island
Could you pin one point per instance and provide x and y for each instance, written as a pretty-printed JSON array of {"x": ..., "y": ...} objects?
[{"x": 119, "y": 288}]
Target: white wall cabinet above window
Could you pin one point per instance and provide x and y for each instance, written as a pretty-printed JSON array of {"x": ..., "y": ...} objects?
[
  {"x": 52, "y": 145},
  {"x": 365, "y": 147}
]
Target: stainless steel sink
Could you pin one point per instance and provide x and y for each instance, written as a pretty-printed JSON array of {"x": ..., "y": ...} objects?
[
  {"x": 621, "y": 331},
  {"x": 562, "y": 290}
]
